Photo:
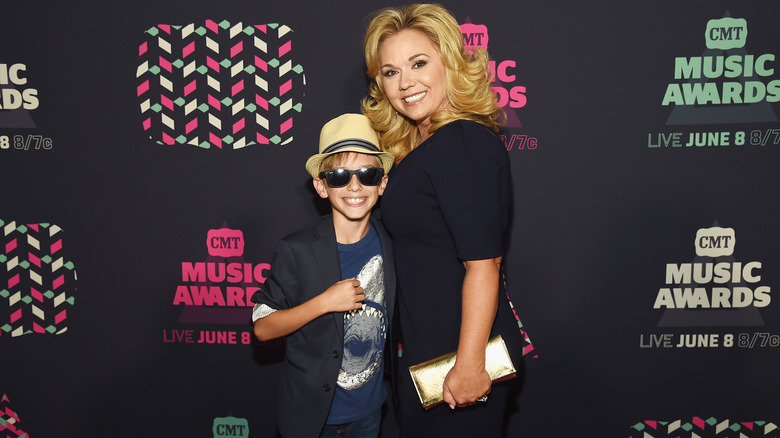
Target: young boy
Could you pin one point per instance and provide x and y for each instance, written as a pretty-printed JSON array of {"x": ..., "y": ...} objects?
[{"x": 331, "y": 291}]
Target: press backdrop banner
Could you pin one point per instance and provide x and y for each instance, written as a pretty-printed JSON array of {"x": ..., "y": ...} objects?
[{"x": 152, "y": 154}]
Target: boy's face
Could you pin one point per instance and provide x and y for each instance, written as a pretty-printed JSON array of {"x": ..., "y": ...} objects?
[{"x": 353, "y": 201}]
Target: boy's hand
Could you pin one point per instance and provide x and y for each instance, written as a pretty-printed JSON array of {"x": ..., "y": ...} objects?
[{"x": 344, "y": 296}]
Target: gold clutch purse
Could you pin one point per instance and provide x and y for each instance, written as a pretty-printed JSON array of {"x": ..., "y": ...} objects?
[{"x": 428, "y": 377}]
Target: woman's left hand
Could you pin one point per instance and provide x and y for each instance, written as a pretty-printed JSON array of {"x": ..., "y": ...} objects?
[{"x": 465, "y": 384}]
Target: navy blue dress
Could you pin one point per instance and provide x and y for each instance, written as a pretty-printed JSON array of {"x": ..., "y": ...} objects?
[{"x": 447, "y": 201}]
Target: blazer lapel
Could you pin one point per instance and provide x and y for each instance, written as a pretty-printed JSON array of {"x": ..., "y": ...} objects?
[
  {"x": 326, "y": 254},
  {"x": 389, "y": 268}
]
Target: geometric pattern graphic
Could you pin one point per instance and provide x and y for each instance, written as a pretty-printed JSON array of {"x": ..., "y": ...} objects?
[
  {"x": 37, "y": 283},
  {"x": 528, "y": 346},
  {"x": 219, "y": 85},
  {"x": 9, "y": 421},
  {"x": 700, "y": 428}
]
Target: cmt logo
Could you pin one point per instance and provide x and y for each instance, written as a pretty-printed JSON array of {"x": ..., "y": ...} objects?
[
  {"x": 230, "y": 427},
  {"x": 476, "y": 36},
  {"x": 715, "y": 242},
  {"x": 225, "y": 242},
  {"x": 726, "y": 33},
  {"x": 219, "y": 289},
  {"x": 711, "y": 284},
  {"x": 726, "y": 84}
]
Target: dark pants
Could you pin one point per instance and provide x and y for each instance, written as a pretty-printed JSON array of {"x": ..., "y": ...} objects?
[{"x": 367, "y": 426}]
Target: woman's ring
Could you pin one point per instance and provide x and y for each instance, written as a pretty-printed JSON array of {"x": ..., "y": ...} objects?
[{"x": 482, "y": 399}]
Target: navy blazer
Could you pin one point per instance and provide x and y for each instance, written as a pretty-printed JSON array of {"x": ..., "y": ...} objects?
[{"x": 305, "y": 264}]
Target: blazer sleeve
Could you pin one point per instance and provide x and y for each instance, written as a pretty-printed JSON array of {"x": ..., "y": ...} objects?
[{"x": 279, "y": 290}]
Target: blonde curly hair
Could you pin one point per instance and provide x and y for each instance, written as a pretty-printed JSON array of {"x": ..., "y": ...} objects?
[{"x": 469, "y": 91}]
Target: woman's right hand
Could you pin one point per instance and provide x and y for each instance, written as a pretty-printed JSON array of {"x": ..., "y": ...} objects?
[{"x": 465, "y": 384}]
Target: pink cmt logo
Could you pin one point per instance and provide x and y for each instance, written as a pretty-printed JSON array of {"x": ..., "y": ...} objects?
[
  {"x": 225, "y": 242},
  {"x": 474, "y": 35},
  {"x": 508, "y": 95}
]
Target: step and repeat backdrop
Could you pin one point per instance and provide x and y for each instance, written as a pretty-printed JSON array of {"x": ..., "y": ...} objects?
[{"x": 152, "y": 153}]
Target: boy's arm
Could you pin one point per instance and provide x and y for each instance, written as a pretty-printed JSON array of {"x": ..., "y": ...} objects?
[{"x": 343, "y": 296}]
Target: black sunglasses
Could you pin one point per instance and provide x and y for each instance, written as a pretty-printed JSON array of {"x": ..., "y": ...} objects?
[{"x": 368, "y": 176}]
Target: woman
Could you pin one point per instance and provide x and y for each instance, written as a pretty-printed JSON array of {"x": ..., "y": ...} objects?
[{"x": 447, "y": 207}]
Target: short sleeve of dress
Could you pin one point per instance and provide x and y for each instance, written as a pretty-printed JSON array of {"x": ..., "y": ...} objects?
[{"x": 472, "y": 182}]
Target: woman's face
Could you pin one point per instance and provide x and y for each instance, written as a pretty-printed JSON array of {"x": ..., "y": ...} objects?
[{"x": 413, "y": 76}]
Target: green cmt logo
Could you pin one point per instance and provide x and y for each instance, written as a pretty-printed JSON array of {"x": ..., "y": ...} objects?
[
  {"x": 726, "y": 33},
  {"x": 230, "y": 427}
]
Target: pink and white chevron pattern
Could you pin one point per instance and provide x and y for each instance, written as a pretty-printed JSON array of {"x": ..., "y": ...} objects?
[
  {"x": 10, "y": 426},
  {"x": 37, "y": 284},
  {"x": 219, "y": 85}
]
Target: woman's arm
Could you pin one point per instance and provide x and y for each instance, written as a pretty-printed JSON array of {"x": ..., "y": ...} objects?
[{"x": 468, "y": 380}]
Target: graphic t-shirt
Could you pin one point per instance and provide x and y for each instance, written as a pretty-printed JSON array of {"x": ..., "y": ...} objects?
[{"x": 360, "y": 391}]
